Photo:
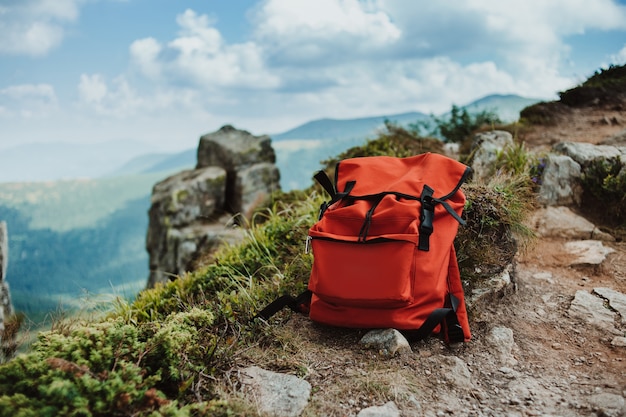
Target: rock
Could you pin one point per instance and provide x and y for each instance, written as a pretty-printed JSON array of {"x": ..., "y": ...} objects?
[
  {"x": 587, "y": 252},
  {"x": 586, "y": 153},
  {"x": 495, "y": 286},
  {"x": 607, "y": 404},
  {"x": 616, "y": 300},
  {"x": 560, "y": 181},
  {"x": 501, "y": 344},
  {"x": 387, "y": 410},
  {"x": 455, "y": 371},
  {"x": 561, "y": 222},
  {"x": 618, "y": 341},
  {"x": 249, "y": 162},
  {"x": 192, "y": 212},
  {"x": 279, "y": 395},
  {"x": 233, "y": 149},
  {"x": 485, "y": 148},
  {"x": 387, "y": 342},
  {"x": 182, "y": 218},
  {"x": 253, "y": 186},
  {"x": 592, "y": 311},
  {"x": 189, "y": 196}
]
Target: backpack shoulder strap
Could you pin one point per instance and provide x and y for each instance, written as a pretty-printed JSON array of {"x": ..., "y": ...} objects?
[{"x": 299, "y": 304}]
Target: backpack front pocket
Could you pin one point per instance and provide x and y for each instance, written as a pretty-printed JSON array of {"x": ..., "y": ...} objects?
[{"x": 377, "y": 273}]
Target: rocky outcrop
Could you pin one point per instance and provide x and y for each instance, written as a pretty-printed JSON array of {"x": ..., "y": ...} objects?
[
  {"x": 560, "y": 183},
  {"x": 6, "y": 306},
  {"x": 195, "y": 211},
  {"x": 484, "y": 151}
]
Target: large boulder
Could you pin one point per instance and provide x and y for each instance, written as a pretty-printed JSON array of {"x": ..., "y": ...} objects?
[
  {"x": 249, "y": 162},
  {"x": 560, "y": 182},
  {"x": 586, "y": 153},
  {"x": 485, "y": 149},
  {"x": 195, "y": 211}
]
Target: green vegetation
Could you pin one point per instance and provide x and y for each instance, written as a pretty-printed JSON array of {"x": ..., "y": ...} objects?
[
  {"x": 459, "y": 124},
  {"x": 604, "y": 185},
  {"x": 606, "y": 87},
  {"x": 613, "y": 77}
]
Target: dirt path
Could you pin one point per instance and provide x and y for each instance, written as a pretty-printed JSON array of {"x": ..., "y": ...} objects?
[{"x": 528, "y": 356}]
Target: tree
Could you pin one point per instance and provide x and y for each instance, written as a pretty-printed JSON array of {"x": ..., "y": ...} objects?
[{"x": 459, "y": 125}]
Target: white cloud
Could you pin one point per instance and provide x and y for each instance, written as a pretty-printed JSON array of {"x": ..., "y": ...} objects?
[
  {"x": 323, "y": 31},
  {"x": 92, "y": 89},
  {"x": 28, "y": 101},
  {"x": 620, "y": 57},
  {"x": 34, "y": 27},
  {"x": 199, "y": 57}
]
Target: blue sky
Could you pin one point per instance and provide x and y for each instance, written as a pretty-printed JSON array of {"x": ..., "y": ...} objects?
[{"x": 167, "y": 71}]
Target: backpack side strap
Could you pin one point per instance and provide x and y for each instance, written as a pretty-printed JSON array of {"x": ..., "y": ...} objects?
[
  {"x": 450, "y": 328},
  {"x": 299, "y": 304}
]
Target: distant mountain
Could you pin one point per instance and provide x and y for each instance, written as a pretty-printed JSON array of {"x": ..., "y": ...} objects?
[
  {"x": 346, "y": 128},
  {"x": 506, "y": 106},
  {"x": 54, "y": 161},
  {"x": 178, "y": 161},
  {"x": 158, "y": 162}
]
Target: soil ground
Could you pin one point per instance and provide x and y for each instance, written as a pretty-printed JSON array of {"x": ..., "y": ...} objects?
[{"x": 557, "y": 366}]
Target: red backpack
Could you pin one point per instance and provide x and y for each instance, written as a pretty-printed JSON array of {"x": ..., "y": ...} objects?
[{"x": 383, "y": 248}]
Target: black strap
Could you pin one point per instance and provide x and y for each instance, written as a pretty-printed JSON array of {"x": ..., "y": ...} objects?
[
  {"x": 451, "y": 330},
  {"x": 299, "y": 304},
  {"x": 427, "y": 215},
  {"x": 322, "y": 178}
]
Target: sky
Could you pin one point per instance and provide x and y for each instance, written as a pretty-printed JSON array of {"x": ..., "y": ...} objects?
[{"x": 165, "y": 72}]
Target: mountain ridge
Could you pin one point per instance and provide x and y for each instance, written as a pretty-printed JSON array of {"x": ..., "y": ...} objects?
[{"x": 61, "y": 160}]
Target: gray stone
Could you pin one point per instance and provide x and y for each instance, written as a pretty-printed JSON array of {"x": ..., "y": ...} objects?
[
  {"x": 561, "y": 222},
  {"x": 485, "y": 149},
  {"x": 387, "y": 410},
  {"x": 193, "y": 212},
  {"x": 253, "y": 186},
  {"x": 455, "y": 371},
  {"x": 616, "y": 300},
  {"x": 495, "y": 286},
  {"x": 586, "y": 153},
  {"x": 607, "y": 404},
  {"x": 501, "y": 344},
  {"x": 587, "y": 252},
  {"x": 560, "y": 181},
  {"x": 233, "y": 149},
  {"x": 618, "y": 341},
  {"x": 188, "y": 196},
  {"x": 591, "y": 310},
  {"x": 387, "y": 342},
  {"x": 279, "y": 395}
]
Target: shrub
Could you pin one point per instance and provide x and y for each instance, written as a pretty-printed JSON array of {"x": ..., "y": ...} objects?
[
  {"x": 460, "y": 124},
  {"x": 604, "y": 190}
]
